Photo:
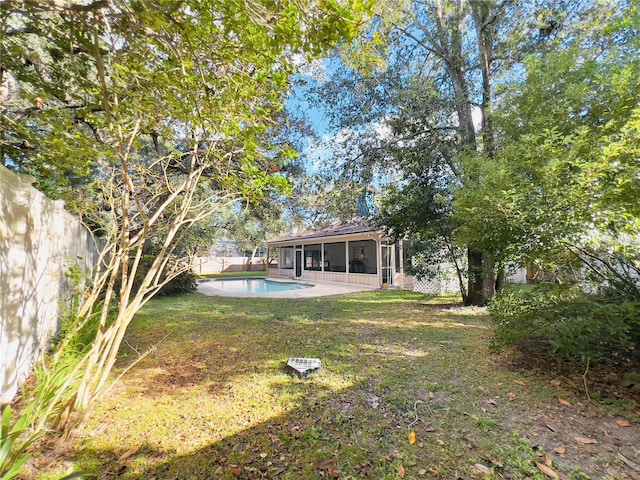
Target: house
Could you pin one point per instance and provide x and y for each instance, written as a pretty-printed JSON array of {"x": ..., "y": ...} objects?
[{"x": 355, "y": 253}]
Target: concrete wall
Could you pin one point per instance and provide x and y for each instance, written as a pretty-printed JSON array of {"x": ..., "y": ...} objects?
[{"x": 39, "y": 241}]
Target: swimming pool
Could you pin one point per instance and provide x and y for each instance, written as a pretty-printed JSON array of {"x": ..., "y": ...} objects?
[{"x": 253, "y": 285}]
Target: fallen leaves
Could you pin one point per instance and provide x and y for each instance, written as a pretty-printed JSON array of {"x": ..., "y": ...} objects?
[
  {"x": 129, "y": 453},
  {"x": 332, "y": 472},
  {"x": 324, "y": 464},
  {"x": 327, "y": 467},
  {"x": 482, "y": 469},
  {"x": 546, "y": 459},
  {"x": 548, "y": 471},
  {"x": 586, "y": 440},
  {"x": 628, "y": 462},
  {"x": 546, "y": 422}
]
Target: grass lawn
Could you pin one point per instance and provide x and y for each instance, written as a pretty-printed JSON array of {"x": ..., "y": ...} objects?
[{"x": 408, "y": 389}]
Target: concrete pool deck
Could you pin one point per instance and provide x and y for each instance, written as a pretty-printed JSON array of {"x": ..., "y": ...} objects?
[{"x": 318, "y": 289}]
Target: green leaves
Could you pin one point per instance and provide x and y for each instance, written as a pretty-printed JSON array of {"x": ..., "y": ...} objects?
[
  {"x": 150, "y": 116},
  {"x": 13, "y": 450},
  {"x": 566, "y": 166},
  {"x": 564, "y": 321}
]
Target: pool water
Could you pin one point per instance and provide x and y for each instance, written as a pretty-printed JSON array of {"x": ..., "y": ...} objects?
[{"x": 254, "y": 285}]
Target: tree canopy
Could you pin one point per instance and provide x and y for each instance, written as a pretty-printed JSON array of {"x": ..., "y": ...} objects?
[
  {"x": 148, "y": 116},
  {"x": 444, "y": 101}
]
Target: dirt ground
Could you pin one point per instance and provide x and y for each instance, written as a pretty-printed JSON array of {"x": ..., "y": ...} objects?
[{"x": 598, "y": 431}]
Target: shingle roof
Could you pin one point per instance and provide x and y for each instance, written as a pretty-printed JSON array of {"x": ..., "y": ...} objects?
[{"x": 333, "y": 231}]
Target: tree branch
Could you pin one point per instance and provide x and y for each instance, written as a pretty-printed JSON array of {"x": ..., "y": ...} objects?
[{"x": 53, "y": 5}]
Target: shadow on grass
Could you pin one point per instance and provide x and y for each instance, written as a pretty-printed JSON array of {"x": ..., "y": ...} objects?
[
  {"x": 322, "y": 438},
  {"x": 213, "y": 401},
  {"x": 359, "y": 431},
  {"x": 212, "y": 340}
]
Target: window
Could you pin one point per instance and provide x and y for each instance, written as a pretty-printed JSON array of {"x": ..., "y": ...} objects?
[
  {"x": 335, "y": 257},
  {"x": 363, "y": 257},
  {"x": 313, "y": 257},
  {"x": 285, "y": 260}
]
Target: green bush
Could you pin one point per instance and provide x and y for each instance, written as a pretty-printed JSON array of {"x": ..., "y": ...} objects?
[
  {"x": 564, "y": 321},
  {"x": 183, "y": 283}
]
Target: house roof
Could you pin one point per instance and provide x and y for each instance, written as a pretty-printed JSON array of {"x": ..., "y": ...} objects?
[{"x": 333, "y": 231}]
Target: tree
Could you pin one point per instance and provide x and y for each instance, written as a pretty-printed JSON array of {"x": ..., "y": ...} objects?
[
  {"x": 563, "y": 178},
  {"x": 173, "y": 105},
  {"x": 320, "y": 200},
  {"x": 254, "y": 225},
  {"x": 417, "y": 99},
  {"x": 424, "y": 76}
]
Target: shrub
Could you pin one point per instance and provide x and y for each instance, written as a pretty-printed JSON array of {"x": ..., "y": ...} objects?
[
  {"x": 565, "y": 321},
  {"x": 185, "y": 282}
]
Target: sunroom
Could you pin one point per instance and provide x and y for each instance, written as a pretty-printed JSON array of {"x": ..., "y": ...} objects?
[{"x": 357, "y": 254}]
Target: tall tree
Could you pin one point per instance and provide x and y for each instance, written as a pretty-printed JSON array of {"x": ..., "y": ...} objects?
[
  {"x": 417, "y": 99},
  {"x": 436, "y": 73},
  {"x": 564, "y": 177},
  {"x": 171, "y": 105}
]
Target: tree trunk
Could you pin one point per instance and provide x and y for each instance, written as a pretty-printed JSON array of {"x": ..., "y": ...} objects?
[
  {"x": 482, "y": 278},
  {"x": 488, "y": 277},
  {"x": 475, "y": 291},
  {"x": 500, "y": 280},
  {"x": 483, "y": 18}
]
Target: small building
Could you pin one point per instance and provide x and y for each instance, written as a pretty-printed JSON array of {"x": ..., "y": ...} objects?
[{"x": 354, "y": 253}]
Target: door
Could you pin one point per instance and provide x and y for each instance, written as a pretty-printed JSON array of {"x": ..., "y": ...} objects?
[
  {"x": 387, "y": 263},
  {"x": 298, "y": 263}
]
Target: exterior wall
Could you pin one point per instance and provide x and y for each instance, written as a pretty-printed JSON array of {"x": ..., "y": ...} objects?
[
  {"x": 445, "y": 282},
  {"x": 364, "y": 279},
  {"x": 335, "y": 277},
  {"x": 517, "y": 275},
  {"x": 39, "y": 242},
  {"x": 279, "y": 273},
  {"x": 352, "y": 241}
]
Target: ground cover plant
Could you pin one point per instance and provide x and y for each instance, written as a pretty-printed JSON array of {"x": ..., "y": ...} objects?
[
  {"x": 408, "y": 389},
  {"x": 568, "y": 323}
]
